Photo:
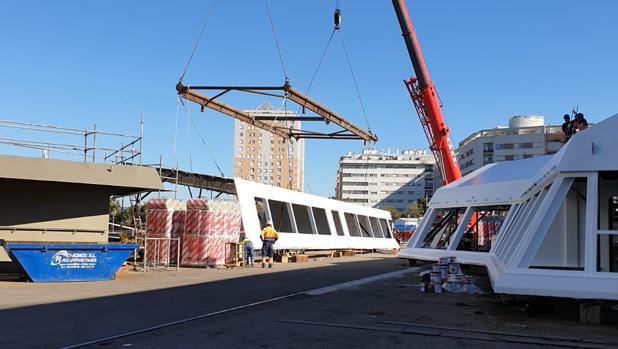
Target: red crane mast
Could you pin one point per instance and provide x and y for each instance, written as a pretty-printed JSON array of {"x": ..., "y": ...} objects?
[{"x": 426, "y": 101}]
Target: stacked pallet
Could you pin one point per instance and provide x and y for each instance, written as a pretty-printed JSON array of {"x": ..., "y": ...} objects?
[
  {"x": 178, "y": 226},
  {"x": 488, "y": 228},
  {"x": 209, "y": 225},
  {"x": 159, "y": 225}
]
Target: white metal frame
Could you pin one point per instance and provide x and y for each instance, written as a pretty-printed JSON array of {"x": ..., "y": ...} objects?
[
  {"x": 536, "y": 189},
  {"x": 249, "y": 191}
]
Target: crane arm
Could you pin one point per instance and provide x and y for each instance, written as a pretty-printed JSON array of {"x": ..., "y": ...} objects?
[{"x": 426, "y": 100}]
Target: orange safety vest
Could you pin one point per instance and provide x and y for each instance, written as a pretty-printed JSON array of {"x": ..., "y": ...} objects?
[{"x": 269, "y": 233}]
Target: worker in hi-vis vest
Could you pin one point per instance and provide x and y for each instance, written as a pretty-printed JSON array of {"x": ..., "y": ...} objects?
[
  {"x": 268, "y": 236},
  {"x": 247, "y": 249}
]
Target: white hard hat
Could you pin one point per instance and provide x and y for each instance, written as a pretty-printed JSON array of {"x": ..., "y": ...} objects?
[{"x": 269, "y": 222}]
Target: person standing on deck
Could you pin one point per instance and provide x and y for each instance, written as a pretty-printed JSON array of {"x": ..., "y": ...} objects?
[
  {"x": 268, "y": 236},
  {"x": 580, "y": 122},
  {"x": 567, "y": 128}
]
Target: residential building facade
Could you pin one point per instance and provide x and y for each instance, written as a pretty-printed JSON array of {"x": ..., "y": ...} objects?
[
  {"x": 525, "y": 137},
  {"x": 263, "y": 157},
  {"x": 384, "y": 179}
]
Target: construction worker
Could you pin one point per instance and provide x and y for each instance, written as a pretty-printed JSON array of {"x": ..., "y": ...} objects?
[
  {"x": 580, "y": 122},
  {"x": 567, "y": 128},
  {"x": 268, "y": 236},
  {"x": 247, "y": 247}
]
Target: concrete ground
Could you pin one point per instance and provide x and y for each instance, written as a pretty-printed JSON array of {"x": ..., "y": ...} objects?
[{"x": 57, "y": 315}]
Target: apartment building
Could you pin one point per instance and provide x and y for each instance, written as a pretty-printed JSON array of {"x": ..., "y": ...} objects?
[
  {"x": 383, "y": 179},
  {"x": 525, "y": 137},
  {"x": 263, "y": 157}
]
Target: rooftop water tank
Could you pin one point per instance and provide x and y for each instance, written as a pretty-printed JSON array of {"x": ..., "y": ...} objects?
[{"x": 517, "y": 121}]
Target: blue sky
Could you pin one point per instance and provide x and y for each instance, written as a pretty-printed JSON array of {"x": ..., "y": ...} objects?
[{"x": 75, "y": 63}]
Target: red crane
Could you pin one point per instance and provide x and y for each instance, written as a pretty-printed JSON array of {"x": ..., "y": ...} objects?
[{"x": 427, "y": 101}]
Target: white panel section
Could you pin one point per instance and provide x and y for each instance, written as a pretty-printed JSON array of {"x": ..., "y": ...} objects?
[
  {"x": 592, "y": 205},
  {"x": 492, "y": 184},
  {"x": 590, "y": 150},
  {"x": 247, "y": 191},
  {"x": 508, "y": 221},
  {"x": 562, "y": 226},
  {"x": 524, "y": 185},
  {"x": 540, "y": 221}
]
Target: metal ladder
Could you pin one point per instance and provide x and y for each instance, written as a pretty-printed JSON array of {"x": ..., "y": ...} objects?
[{"x": 136, "y": 218}]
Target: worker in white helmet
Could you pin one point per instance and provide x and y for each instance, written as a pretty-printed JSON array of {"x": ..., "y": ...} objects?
[{"x": 268, "y": 236}]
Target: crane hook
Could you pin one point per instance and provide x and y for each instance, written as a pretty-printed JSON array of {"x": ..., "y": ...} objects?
[{"x": 337, "y": 18}]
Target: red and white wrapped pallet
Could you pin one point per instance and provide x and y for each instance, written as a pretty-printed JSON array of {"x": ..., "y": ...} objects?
[
  {"x": 209, "y": 225},
  {"x": 159, "y": 224},
  {"x": 488, "y": 227},
  {"x": 178, "y": 222},
  {"x": 192, "y": 236}
]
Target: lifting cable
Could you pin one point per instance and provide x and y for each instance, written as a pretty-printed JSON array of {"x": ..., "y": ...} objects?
[
  {"x": 285, "y": 74},
  {"x": 315, "y": 73},
  {"x": 189, "y": 144},
  {"x": 176, "y": 128},
  {"x": 337, "y": 20},
  {"x": 358, "y": 94},
  {"x": 337, "y": 28},
  {"x": 202, "y": 138},
  {"x": 285, "y": 98},
  {"x": 197, "y": 42},
  {"x": 272, "y": 27},
  {"x": 366, "y": 151},
  {"x": 188, "y": 112}
]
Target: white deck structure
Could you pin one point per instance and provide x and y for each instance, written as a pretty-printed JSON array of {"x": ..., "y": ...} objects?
[
  {"x": 557, "y": 220},
  {"x": 307, "y": 221}
]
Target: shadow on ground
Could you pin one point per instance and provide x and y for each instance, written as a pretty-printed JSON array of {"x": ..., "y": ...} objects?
[{"x": 65, "y": 323}]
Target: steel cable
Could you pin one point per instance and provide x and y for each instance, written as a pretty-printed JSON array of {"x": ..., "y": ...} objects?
[
  {"x": 199, "y": 38},
  {"x": 272, "y": 26},
  {"x": 315, "y": 73},
  {"x": 202, "y": 138},
  {"x": 358, "y": 94}
]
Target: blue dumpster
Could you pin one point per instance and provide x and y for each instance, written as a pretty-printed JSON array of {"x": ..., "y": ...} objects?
[{"x": 57, "y": 262}]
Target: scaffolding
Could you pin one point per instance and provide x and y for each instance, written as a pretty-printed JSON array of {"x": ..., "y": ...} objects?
[{"x": 88, "y": 144}]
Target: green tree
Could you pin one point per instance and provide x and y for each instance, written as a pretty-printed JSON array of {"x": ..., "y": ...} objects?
[
  {"x": 124, "y": 216},
  {"x": 114, "y": 209},
  {"x": 395, "y": 213},
  {"x": 417, "y": 209},
  {"x": 414, "y": 210}
]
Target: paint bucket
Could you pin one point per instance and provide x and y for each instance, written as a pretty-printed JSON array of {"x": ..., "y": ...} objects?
[
  {"x": 423, "y": 288},
  {"x": 435, "y": 278},
  {"x": 437, "y": 288},
  {"x": 454, "y": 287},
  {"x": 455, "y": 278},
  {"x": 454, "y": 268}
]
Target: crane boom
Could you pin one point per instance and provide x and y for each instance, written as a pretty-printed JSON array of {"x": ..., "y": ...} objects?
[{"x": 426, "y": 101}]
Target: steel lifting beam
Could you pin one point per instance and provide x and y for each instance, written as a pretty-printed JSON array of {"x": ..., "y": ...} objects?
[
  {"x": 327, "y": 114},
  {"x": 289, "y": 118},
  {"x": 306, "y": 134},
  {"x": 187, "y": 93}
]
